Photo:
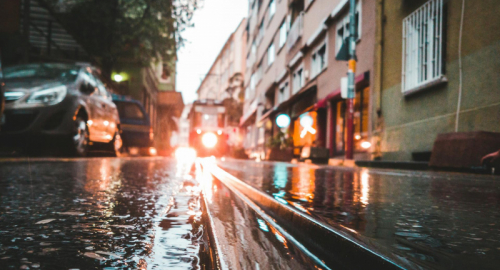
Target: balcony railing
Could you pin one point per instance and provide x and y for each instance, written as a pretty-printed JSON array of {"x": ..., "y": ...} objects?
[{"x": 295, "y": 31}]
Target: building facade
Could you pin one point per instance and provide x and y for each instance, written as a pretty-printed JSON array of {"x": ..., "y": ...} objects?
[
  {"x": 154, "y": 86},
  {"x": 292, "y": 69},
  {"x": 439, "y": 72},
  {"x": 224, "y": 81},
  {"x": 225, "y": 77}
]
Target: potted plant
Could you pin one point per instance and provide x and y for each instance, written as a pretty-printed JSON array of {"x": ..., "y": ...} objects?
[{"x": 280, "y": 147}]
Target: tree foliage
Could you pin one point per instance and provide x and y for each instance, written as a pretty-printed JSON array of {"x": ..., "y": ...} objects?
[{"x": 137, "y": 31}]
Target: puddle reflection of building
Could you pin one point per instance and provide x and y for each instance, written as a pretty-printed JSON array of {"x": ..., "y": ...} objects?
[{"x": 302, "y": 184}]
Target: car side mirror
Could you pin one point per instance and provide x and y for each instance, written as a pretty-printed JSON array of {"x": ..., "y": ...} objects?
[{"x": 87, "y": 88}]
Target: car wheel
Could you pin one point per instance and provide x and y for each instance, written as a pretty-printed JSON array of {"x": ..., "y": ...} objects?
[{"x": 80, "y": 137}]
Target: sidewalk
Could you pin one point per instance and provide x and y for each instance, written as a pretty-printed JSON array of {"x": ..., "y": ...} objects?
[{"x": 428, "y": 219}]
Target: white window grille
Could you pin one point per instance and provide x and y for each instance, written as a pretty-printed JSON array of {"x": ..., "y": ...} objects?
[
  {"x": 298, "y": 80},
  {"x": 270, "y": 54},
  {"x": 422, "y": 46},
  {"x": 318, "y": 60}
]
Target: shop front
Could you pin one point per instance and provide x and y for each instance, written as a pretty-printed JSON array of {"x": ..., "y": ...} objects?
[{"x": 333, "y": 123}]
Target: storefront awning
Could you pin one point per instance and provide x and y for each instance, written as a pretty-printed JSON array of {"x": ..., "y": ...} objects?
[
  {"x": 334, "y": 95},
  {"x": 291, "y": 102}
]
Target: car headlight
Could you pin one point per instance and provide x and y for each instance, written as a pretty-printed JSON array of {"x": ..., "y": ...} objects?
[{"x": 49, "y": 96}]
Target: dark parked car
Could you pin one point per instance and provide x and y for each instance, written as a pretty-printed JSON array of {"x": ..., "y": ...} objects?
[
  {"x": 136, "y": 130},
  {"x": 64, "y": 102}
]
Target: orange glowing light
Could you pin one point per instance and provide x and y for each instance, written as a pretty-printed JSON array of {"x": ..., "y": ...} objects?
[
  {"x": 152, "y": 151},
  {"x": 366, "y": 145}
]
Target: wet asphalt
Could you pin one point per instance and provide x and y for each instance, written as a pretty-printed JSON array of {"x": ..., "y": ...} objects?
[
  {"x": 100, "y": 213},
  {"x": 147, "y": 213},
  {"x": 432, "y": 220}
]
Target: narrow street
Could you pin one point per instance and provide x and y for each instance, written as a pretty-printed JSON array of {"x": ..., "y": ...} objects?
[{"x": 159, "y": 213}]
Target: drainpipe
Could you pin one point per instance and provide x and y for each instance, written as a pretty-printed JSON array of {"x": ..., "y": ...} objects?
[
  {"x": 460, "y": 85},
  {"x": 379, "y": 38}
]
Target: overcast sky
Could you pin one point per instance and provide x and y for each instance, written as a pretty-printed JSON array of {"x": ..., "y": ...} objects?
[{"x": 213, "y": 24}]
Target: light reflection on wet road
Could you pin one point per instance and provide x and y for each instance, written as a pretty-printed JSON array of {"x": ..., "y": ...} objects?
[
  {"x": 99, "y": 214},
  {"x": 246, "y": 240},
  {"x": 442, "y": 221}
]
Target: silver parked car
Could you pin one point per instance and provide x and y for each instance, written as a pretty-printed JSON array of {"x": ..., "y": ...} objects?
[{"x": 61, "y": 103}]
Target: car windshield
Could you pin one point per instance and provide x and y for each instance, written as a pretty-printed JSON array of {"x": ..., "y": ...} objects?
[
  {"x": 56, "y": 72},
  {"x": 129, "y": 110}
]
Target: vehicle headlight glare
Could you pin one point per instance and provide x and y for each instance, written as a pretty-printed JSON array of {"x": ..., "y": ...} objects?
[
  {"x": 209, "y": 140},
  {"x": 49, "y": 96}
]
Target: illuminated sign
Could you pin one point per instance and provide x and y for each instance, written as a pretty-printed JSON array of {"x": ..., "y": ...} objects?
[
  {"x": 283, "y": 120},
  {"x": 307, "y": 122}
]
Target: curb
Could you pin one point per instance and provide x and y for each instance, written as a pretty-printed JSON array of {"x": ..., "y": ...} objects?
[
  {"x": 213, "y": 245},
  {"x": 331, "y": 245}
]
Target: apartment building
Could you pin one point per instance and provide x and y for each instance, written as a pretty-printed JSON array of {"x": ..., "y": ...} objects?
[
  {"x": 439, "y": 73},
  {"x": 155, "y": 86},
  {"x": 224, "y": 81},
  {"x": 225, "y": 77},
  {"x": 292, "y": 69}
]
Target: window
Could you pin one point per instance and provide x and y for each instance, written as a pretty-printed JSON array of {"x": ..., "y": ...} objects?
[
  {"x": 298, "y": 80},
  {"x": 222, "y": 57},
  {"x": 129, "y": 110},
  {"x": 283, "y": 93},
  {"x": 272, "y": 8},
  {"x": 259, "y": 73},
  {"x": 283, "y": 34},
  {"x": 248, "y": 60},
  {"x": 253, "y": 81},
  {"x": 343, "y": 28},
  {"x": 270, "y": 55},
  {"x": 319, "y": 60},
  {"x": 102, "y": 90},
  {"x": 261, "y": 31},
  {"x": 224, "y": 77},
  {"x": 422, "y": 45},
  {"x": 247, "y": 92}
]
